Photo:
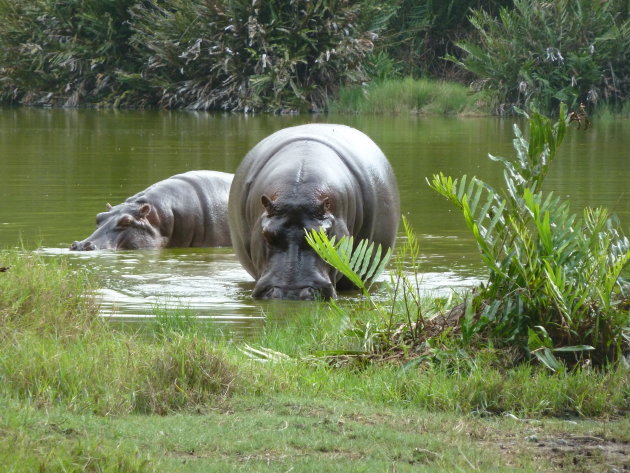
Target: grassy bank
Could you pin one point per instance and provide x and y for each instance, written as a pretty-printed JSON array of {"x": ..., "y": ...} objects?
[
  {"x": 437, "y": 97},
  {"x": 79, "y": 395},
  {"x": 408, "y": 95}
]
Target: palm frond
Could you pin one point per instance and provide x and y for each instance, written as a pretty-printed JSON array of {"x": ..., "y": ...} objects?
[{"x": 361, "y": 263}]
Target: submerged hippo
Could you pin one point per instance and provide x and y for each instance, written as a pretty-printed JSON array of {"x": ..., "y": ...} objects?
[
  {"x": 184, "y": 210},
  {"x": 301, "y": 178}
]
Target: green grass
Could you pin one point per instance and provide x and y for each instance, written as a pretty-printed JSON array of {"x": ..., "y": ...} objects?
[
  {"x": 55, "y": 441},
  {"x": 55, "y": 350},
  {"x": 408, "y": 95},
  {"x": 77, "y": 394},
  {"x": 282, "y": 433},
  {"x": 44, "y": 296},
  {"x": 607, "y": 112}
]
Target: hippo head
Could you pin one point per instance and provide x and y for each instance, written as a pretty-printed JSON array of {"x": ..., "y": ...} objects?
[
  {"x": 293, "y": 270},
  {"x": 127, "y": 226}
]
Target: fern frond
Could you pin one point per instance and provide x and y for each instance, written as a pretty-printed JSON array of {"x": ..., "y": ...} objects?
[{"x": 361, "y": 264}]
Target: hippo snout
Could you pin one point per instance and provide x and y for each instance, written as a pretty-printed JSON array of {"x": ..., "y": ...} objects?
[
  {"x": 82, "y": 246},
  {"x": 306, "y": 293}
]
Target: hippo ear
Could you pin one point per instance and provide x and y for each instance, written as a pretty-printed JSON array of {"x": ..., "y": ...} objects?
[
  {"x": 108, "y": 206},
  {"x": 125, "y": 221},
  {"x": 268, "y": 204},
  {"x": 144, "y": 210}
]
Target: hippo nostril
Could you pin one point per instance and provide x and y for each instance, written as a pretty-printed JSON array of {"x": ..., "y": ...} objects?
[
  {"x": 270, "y": 293},
  {"x": 74, "y": 246},
  {"x": 307, "y": 294},
  {"x": 328, "y": 292}
]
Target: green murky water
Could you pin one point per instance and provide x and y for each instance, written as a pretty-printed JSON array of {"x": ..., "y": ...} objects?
[{"x": 58, "y": 168}]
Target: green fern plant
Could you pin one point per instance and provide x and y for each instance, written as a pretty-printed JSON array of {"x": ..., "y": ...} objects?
[
  {"x": 552, "y": 276},
  {"x": 361, "y": 264},
  {"x": 403, "y": 313}
]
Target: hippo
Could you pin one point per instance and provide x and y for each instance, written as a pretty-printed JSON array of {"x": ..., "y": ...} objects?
[
  {"x": 185, "y": 210},
  {"x": 315, "y": 176}
]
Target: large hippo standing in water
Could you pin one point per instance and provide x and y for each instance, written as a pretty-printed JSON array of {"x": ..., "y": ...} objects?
[
  {"x": 185, "y": 210},
  {"x": 302, "y": 178}
]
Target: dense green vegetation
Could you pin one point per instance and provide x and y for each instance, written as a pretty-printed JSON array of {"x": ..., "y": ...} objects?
[
  {"x": 243, "y": 55},
  {"x": 543, "y": 53},
  {"x": 77, "y": 394},
  {"x": 554, "y": 279},
  {"x": 555, "y": 288},
  {"x": 228, "y": 55},
  {"x": 66, "y": 53},
  {"x": 419, "y": 34}
]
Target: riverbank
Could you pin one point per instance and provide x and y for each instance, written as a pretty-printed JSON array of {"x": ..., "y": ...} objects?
[
  {"x": 409, "y": 96},
  {"x": 78, "y": 394},
  {"x": 430, "y": 97},
  {"x": 412, "y": 96}
]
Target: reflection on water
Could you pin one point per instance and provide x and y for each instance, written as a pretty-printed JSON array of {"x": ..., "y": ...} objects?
[
  {"x": 58, "y": 168},
  {"x": 209, "y": 281}
]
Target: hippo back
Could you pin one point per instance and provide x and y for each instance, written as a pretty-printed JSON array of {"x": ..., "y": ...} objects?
[
  {"x": 192, "y": 208},
  {"x": 373, "y": 182},
  {"x": 185, "y": 210}
]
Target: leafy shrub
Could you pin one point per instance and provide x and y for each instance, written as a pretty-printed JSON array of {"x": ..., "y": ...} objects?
[
  {"x": 252, "y": 55},
  {"x": 554, "y": 285},
  {"x": 542, "y": 53},
  {"x": 64, "y": 53},
  {"x": 552, "y": 276},
  {"x": 419, "y": 33}
]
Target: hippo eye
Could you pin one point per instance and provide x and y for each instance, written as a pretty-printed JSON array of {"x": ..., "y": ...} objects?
[
  {"x": 269, "y": 236},
  {"x": 125, "y": 221},
  {"x": 275, "y": 239}
]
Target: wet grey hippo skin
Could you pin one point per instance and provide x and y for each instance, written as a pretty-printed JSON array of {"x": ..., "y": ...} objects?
[
  {"x": 185, "y": 210},
  {"x": 307, "y": 177}
]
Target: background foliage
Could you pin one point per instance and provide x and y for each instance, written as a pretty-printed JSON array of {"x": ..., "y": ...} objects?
[
  {"x": 544, "y": 53},
  {"x": 64, "y": 53},
  {"x": 230, "y": 54},
  {"x": 420, "y": 33},
  {"x": 252, "y": 55},
  {"x": 294, "y": 55}
]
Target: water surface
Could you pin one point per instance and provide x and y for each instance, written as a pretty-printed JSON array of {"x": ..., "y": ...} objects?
[{"x": 58, "y": 168}]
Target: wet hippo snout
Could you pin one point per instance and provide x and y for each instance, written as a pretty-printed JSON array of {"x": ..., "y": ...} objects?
[
  {"x": 82, "y": 246},
  {"x": 307, "y": 293}
]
